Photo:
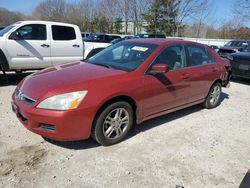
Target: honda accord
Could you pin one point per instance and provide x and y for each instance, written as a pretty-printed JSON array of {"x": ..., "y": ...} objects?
[{"x": 126, "y": 83}]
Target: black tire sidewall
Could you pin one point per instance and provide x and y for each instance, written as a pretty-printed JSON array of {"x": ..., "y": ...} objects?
[
  {"x": 98, "y": 124},
  {"x": 207, "y": 103}
]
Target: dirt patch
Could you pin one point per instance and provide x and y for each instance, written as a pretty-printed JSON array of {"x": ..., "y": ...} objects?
[{"x": 22, "y": 159}]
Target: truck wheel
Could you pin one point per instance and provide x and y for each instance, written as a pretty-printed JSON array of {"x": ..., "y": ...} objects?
[{"x": 113, "y": 123}]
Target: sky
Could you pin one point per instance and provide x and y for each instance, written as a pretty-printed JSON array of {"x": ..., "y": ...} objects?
[{"x": 221, "y": 9}]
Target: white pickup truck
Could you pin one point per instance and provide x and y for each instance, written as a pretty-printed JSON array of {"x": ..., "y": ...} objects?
[{"x": 30, "y": 45}]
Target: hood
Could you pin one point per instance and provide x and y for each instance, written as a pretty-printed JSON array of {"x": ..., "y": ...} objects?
[
  {"x": 65, "y": 78},
  {"x": 231, "y": 48},
  {"x": 242, "y": 55}
]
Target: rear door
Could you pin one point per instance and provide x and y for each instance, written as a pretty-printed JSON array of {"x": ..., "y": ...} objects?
[
  {"x": 170, "y": 90},
  {"x": 202, "y": 70},
  {"x": 32, "y": 50},
  {"x": 66, "y": 44}
]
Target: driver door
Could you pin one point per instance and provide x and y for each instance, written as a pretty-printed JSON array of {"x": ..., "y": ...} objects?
[
  {"x": 170, "y": 90},
  {"x": 31, "y": 49}
]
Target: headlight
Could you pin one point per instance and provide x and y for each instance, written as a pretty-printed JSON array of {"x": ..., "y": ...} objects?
[
  {"x": 65, "y": 101},
  {"x": 230, "y": 57}
]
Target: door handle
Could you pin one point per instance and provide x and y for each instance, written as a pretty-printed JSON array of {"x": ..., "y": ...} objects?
[
  {"x": 45, "y": 45},
  {"x": 185, "y": 76},
  {"x": 76, "y": 46}
]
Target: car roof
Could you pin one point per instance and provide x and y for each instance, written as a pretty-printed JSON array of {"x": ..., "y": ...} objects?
[{"x": 161, "y": 41}]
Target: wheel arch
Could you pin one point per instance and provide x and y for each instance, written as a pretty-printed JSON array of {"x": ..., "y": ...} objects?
[
  {"x": 214, "y": 82},
  {"x": 124, "y": 98},
  {"x": 4, "y": 65},
  {"x": 218, "y": 80}
]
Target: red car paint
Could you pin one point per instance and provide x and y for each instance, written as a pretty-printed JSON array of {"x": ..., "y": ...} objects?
[{"x": 186, "y": 87}]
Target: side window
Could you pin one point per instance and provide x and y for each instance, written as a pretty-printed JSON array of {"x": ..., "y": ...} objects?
[
  {"x": 198, "y": 55},
  {"x": 174, "y": 56},
  {"x": 33, "y": 32},
  {"x": 63, "y": 33}
]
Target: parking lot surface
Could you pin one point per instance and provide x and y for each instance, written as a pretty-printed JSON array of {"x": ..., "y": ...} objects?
[{"x": 193, "y": 147}]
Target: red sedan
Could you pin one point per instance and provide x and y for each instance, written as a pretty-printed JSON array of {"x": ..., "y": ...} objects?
[{"x": 128, "y": 82}]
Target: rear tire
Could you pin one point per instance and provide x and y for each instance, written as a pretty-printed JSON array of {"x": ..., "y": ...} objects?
[
  {"x": 213, "y": 97},
  {"x": 113, "y": 123}
]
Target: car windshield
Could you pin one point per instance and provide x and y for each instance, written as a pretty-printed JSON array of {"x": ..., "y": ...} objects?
[
  {"x": 6, "y": 29},
  {"x": 126, "y": 56},
  {"x": 235, "y": 43}
]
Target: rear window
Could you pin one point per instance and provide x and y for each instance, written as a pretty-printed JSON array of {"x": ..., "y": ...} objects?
[
  {"x": 63, "y": 33},
  {"x": 198, "y": 56}
]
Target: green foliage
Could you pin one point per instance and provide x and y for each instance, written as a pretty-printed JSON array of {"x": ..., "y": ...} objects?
[
  {"x": 118, "y": 25},
  {"x": 99, "y": 24},
  {"x": 161, "y": 16}
]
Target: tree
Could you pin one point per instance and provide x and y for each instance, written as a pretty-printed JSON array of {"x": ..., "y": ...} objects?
[
  {"x": 124, "y": 11},
  {"x": 189, "y": 9},
  {"x": 160, "y": 17},
  {"x": 118, "y": 25},
  {"x": 53, "y": 10},
  {"x": 138, "y": 7},
  {"x": 8, "y": 17},
  {"x": 243, "y": 8}
]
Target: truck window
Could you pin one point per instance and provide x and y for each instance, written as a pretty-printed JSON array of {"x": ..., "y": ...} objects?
[
  {"x": 63, "y": 33},
  {"x": 32, "y": 32}
]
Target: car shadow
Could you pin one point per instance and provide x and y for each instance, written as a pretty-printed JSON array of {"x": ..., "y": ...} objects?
[
  {"x": 149, "y": 124},
  {"x": 240, "y": 80},
  {"x": 12, "y": 78},
  {"x": 145, "y": 126},
  {"x": 74, "y": 145},
  {"x": 245, "y": 183}
]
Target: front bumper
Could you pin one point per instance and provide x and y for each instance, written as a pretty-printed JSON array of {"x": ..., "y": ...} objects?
[{"x": 57, "y": 125}]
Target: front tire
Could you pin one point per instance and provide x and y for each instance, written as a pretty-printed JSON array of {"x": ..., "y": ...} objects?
[
  {"x": 113, "y": 123},
  {"x": 213, "y": 97}
]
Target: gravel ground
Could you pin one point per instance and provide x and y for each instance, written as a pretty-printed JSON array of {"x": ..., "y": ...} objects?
[{"x": 193, "y": 147}]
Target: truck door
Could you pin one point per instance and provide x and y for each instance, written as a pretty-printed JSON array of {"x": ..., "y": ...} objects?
[
  {"x": 31, "y": 50},
  {"x": 66, "y": 45}
]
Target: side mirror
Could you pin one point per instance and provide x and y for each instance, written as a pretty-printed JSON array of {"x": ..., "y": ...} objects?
[
  {"x": 159, "y": 69},
  {"x": 15, "y": 36}
]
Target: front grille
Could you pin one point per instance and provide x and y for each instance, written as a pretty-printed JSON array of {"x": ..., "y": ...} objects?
[
  {"x": 22, "y": 97},
  {"x": 46, "y": 127}
]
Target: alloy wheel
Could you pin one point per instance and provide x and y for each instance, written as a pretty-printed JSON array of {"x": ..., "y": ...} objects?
[
  {"x": 215, "y": 95},
  {"x": 116, "y": 123}
]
